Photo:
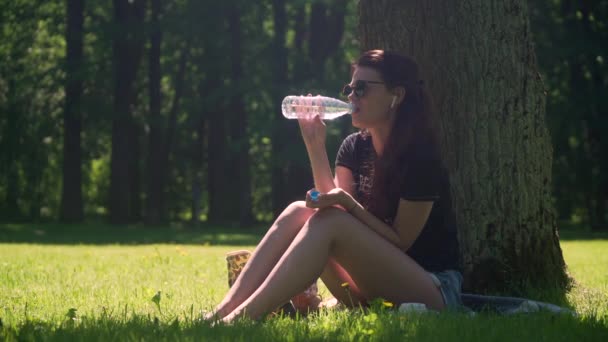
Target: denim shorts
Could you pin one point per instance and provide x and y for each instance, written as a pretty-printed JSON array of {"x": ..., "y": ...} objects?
[{"x": 450, "y": 284}]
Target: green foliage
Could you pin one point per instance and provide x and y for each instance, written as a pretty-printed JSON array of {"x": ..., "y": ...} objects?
[
  {"x": 32, "y": 52},
  {"x": 570, "y": 44}
]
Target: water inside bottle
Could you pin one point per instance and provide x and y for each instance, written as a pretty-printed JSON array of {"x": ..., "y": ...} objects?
[
  {"x": 329, "y": 113},
  {"x": 326, "y": 108}
]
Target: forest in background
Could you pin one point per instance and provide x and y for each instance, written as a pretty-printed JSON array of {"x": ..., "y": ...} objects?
[{"x": 157, "y": 111}]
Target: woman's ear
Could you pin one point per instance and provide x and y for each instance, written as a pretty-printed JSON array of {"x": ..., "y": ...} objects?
[{"x": 398, "y": 96}]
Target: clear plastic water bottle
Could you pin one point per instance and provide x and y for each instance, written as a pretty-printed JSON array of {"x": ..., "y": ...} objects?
[{"x": 307, "y": 106}]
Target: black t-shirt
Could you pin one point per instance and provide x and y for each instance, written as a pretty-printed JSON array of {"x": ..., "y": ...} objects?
[{"x": 425, "y": 179}]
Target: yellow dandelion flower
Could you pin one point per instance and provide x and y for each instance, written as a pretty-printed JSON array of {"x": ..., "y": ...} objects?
[{"x": 388, "y": 304}]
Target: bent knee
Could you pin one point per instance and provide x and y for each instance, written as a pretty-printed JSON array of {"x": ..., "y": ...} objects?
[
  {"x": 298, "y": 208},
  {"x": 329, "y": 217},
  {"x": 297, "y": 205},
  {"x": 293, "y": 217}
]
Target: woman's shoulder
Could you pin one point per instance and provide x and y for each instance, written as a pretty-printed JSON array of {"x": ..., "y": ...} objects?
[{"x": 357, "y": 137}]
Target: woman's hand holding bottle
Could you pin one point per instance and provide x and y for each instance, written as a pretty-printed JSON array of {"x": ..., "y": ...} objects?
[
  {"x": 312, "y": 129},
  {"x": 336, "y": 196}
]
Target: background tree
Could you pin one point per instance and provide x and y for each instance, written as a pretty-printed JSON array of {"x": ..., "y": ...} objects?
[
  {"x": 71, "y": 198},
  {"x": 155, "y": 180},
  {"x": 576, "y": 76},
  {"x": 169, "y": 101},
  {"x": 479, "y": 63},
  {"x": 127, "y": 50}
]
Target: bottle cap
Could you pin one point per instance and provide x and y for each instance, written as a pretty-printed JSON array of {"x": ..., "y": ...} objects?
[{"x": 314, "y": 195}]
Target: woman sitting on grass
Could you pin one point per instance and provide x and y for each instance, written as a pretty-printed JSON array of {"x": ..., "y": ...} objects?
[{"x": 384, "y": 224}]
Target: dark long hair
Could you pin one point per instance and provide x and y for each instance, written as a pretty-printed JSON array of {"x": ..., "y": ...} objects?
[{"x": 414, "y": 125}]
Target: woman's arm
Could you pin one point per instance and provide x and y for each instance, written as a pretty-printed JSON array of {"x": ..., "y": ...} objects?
[
  {"x": 313, "y": 133},
  {"x": 409, "y": 221},
  {"x": 321, "y": 171},
  {"x": 345, "y": 181}
]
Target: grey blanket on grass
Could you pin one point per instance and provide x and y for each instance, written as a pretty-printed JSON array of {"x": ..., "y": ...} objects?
[{"x": 509, "y": 305}]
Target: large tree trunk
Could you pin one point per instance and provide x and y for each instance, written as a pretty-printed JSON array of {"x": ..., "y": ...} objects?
[
  {"x": 71, "y": 195},
  {"x": 128, "y": 46},
  {"x": 479, "y": 63}
]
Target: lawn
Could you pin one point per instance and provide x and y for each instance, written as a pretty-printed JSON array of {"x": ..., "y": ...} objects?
[{"x": 98, "y": 282}]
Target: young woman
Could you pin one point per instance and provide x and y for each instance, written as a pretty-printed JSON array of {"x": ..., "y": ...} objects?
[{"x": 383, "y": 224}]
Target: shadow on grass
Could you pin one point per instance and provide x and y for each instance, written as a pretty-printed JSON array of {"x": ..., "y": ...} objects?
[
  {"x": 569, "y": 231},
  {"x": 346, "y": 327},
  {"x": 102, "y": 234}
]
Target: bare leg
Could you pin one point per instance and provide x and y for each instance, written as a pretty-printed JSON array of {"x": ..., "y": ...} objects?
[
  {"x": 334, "y": 276},
  {"x": 267, "y": 253},
  {"x": 378, "y": 268}
]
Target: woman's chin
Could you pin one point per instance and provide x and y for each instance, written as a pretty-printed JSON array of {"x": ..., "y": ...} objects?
[{"x": 356, "y": 122}]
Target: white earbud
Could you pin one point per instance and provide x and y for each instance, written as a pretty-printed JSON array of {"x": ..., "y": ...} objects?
[{"x": 393, "y": 103}]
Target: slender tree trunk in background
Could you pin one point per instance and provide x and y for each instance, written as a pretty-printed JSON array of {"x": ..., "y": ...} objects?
[
  {"x": 280, "y": 125},
  {"x": 12, "y": 146},
  {"x": 318, "y": 50},
  {"x": 217, "y": 159},
  {"x": 478, "y": 61},
  {"x": 135, "y": 142},
  {"x": 240, "y": 139},
  {"x": 292, "y": 157},
  {"x": 154, "y": 210},
  {"x": 198, "y": 150},
  {"x": 167, "y": 148},
  {"x": 71, "y": 195},
  {"x": 127, "y": 49},
  {"x": 326, "y": 30}
]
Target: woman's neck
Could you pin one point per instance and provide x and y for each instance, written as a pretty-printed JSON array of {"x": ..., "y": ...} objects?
[{"x": 380, "y": 138}]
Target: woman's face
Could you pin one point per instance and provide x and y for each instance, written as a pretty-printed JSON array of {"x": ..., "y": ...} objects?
[{"x": 371, "y": 99}]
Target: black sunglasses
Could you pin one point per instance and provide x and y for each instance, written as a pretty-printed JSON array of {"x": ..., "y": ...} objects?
[{"x": 359, "y": 88}]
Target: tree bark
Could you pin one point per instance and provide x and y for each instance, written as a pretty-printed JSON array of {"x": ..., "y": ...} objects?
[
  {"x": 479, "y": 63},
  {"x": 127, "y": 49}
]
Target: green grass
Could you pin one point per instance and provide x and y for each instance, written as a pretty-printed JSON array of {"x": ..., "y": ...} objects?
[{"x": 110, "y": 275}]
